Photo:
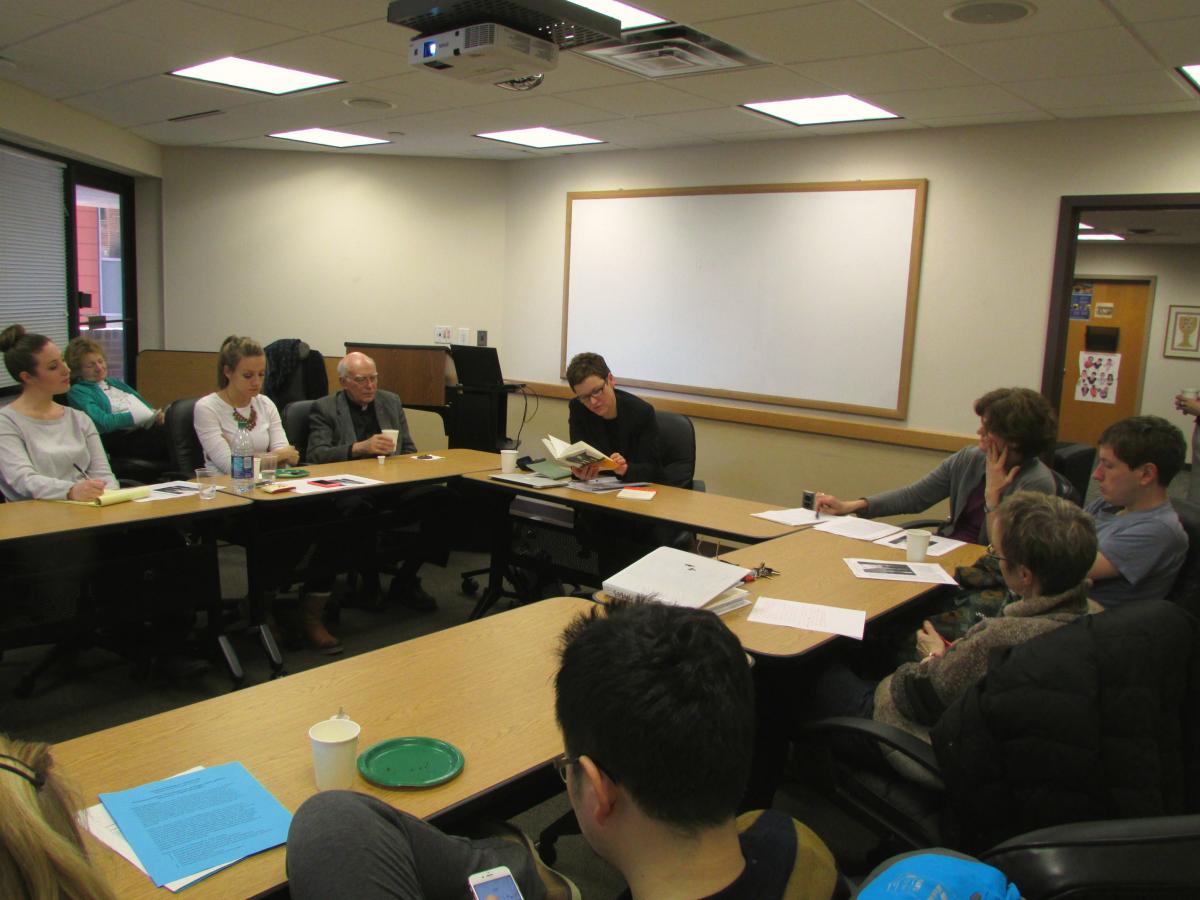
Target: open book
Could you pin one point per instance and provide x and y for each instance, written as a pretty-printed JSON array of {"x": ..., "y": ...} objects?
[
  {"x": 575, "y": 455},
  {"x": 108, "y": 498},
  {"x": 675, "y": 577}
]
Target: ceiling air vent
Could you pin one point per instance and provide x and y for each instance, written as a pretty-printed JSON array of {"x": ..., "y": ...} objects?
[{"x": 669, "y": 50}]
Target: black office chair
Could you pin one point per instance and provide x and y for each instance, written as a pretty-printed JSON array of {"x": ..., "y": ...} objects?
[
  {"x": 1076, "y": 463},
  {"x": 989, "y": 796},
  {"x": 184, "y": 453},
  {"x": 677, "y": 450},
  {"x": 1186, "y": 590},
  {"x": 294, "y": 372},
  {"x": 1125, "y": 859},
  {"x": 295, "y": 424}
]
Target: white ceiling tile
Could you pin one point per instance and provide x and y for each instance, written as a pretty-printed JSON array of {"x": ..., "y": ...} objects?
[
  {"x": 1140, "y": 109},
  {"x": 1177, "y": 42},
  {"x": 62, "y": 10},
  {"x": 158, "y": 98},
  {"x": 576, "y": 72},
  {"x": 531, "y": 112},
  {"x": 637, "y": 133},
  {"x": 442, "y": 90},
  {"x": 713, "y": 122},
  {"x": 189, "y": 25},
  {"x": 306, "y": 15},
  {"x": 336, "y": 59},
  {"x": 377, "y": 34},
  {"x": 927, "y": 19},
  {"x": 906, "y": 70},
  {"x": 1000, "y": 118},
  {"x": 1057, "y": 94},
  {"x": 641, "y": 99},
  {"x": 1095, "y": 52},
  {"x": 749, "y": 85},
  {"x": 952, "y": 101},
  {"x": 20, "y": 23},
  {"x": 689, "y": 12},
  {"x": 878, "y": 125},
  {"x": 1153, "y": 10},
  {"x": 825, "y": 31}
]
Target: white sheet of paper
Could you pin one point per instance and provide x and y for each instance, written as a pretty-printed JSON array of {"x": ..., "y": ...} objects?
[
  {"x": 859, "y": 529},
  {"x": 938, "y": 545},
  {"x": 734, "y": 598},
  {"x": 170, "y": 490},
  {"x": 810, "y": 617},
  {"x": 899, "y": 570},
  {"x": 797, "y": 516},
  {"x": 306, "y": 486},
  {"x": 97, "y": 820}
]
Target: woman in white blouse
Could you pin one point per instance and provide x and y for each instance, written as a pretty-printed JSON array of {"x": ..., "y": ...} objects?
[
  {"x": 47, "y": 451},
  {"x": 241, "y": 369}
]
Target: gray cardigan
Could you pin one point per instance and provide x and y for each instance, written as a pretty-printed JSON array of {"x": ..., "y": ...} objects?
[
  {"x": 331, "y": 430},
  {"x": 38, "y": 457},
  {"x": 956, "y": 477}
]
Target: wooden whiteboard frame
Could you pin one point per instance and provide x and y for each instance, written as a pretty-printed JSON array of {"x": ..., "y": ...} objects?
[{"x": 920, "y": 189}]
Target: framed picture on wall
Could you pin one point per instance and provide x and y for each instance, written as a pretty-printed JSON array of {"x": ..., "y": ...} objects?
[{"x": 1183, "y": 332}]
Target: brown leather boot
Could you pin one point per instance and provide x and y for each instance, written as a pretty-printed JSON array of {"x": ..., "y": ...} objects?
[{"x": 312, "y": 605}]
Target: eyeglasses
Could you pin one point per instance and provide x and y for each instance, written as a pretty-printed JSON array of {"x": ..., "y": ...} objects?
[
  {"x": 364, "y": 379},
  {"x": 991, "y": 551},
  {"x": 561, "y": 763},
  {"x": 592, "y": 396}
]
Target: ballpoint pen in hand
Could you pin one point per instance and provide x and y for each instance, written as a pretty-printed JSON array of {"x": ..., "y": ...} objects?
[{"x": 80, "y": 471}]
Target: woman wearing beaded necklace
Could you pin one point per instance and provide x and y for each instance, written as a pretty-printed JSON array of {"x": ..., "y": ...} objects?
[{"x": 241, "y": 368}]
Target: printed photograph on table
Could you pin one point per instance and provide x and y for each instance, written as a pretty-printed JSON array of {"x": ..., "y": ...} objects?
[
  {"x": 1183, "y": 332},
  {"x": 1099, "y": 377}
]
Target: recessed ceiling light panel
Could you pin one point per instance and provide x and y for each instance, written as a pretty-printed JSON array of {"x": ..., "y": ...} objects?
[
  {"x": 628, "y": 16},
  {"x": 540, "y": 138},
  {"x": 255, "y": 76},
  {"x": 821, "y": 110},
  {"x": 328, "y": 138},
  {"x": 1099, "y": 237}
]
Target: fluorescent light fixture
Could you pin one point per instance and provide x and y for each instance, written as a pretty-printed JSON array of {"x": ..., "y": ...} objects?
[
  {"x": 328, "y": 138},
  {"x": 539, "y": 137},
  {"x": 1099, "y": 237},
  {"x": 630, "y": 16},
  {"x": 821, "y": 110},
  {"x": 1084, "y": 226},
  {"x": 1192, "y": 73},
  {"x": 255, "y": 76}
]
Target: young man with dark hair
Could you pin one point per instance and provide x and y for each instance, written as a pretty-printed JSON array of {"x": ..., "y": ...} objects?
[
  {"x": 615, "y": 422},
  {"x": 1142, "y": 543},
  {"x": 656, "y": 708}
]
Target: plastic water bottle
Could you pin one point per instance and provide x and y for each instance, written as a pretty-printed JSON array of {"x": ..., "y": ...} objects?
[{"x": 241, "y": 460}]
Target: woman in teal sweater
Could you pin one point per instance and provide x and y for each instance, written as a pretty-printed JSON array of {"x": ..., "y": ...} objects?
[{"x": 129, "y": 426}]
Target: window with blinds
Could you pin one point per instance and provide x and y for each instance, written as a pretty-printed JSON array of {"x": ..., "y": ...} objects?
[{"x": 33, "y": 253}]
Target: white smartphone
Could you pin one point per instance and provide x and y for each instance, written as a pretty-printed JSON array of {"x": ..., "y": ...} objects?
[{"x": 494, "y": 884}]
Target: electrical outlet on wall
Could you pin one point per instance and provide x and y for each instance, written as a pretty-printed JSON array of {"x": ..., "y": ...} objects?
[
  {"x": 441, "y": 334},
  {"x": 464, "y": 335},
  {"x": 481, "y": 337}
]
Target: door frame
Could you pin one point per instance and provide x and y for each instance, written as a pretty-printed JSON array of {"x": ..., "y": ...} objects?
[{"x": 1070, "y": 209}]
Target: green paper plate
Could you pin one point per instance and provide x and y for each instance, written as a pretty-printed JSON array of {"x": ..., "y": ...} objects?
[
  {"x": 291, "y": 473},
  {"x": 410, "y": 762}
]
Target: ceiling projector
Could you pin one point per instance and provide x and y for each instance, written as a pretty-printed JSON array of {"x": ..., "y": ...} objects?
[{"x": 483, "y": 54}]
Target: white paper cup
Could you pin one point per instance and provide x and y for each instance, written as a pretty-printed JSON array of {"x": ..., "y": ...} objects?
[
  {"x": 394, "y": 434},
  {"x": 335, "y": 752},
  {"x": 508, "y": 461},
  {"x": 206, "y": 479},
  {"x": 916, "y": 545},
  {"x": 1188, "y": 394},
  {"x": 381, "y": 459}
]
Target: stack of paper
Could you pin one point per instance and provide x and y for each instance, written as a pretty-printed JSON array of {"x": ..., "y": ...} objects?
[
  {"x": 332, "y": 483},
  {"x": 675, "y": 577},
  {"x": 181, "y": 829},
  {"x": 860, "y": 529},
  {"x": 797, "y": 516}
]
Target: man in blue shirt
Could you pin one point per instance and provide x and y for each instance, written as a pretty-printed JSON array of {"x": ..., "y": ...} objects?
[{"x": 1142, "y": 543}]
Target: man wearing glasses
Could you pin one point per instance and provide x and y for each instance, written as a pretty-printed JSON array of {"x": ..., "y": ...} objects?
[
  {"x": 655, "y": 704},
  {"x": 613, "y": 421},
  {"x": 351, "y": 424}
]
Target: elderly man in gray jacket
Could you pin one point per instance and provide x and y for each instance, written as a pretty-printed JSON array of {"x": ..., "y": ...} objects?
[{"x": 350, "y": 425}]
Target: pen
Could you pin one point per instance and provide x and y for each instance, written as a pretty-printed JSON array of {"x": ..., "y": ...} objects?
[{"x": 80, "y": 471}]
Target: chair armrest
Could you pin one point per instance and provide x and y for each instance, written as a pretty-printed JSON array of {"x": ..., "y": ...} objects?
[
  {"x": 699, "y": 485},
  {"x": 913, "y": 747}
]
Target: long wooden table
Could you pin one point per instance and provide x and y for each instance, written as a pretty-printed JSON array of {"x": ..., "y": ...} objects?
[
  {"x": 486, "y": 687},
  {"x": 813, "y": 570},
  {"x": 45, "y": 518}
]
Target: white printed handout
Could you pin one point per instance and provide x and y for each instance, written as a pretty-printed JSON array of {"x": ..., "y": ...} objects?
[
  {"x": 859, "y": 529},
  {"x": 895, "y": 570},
  {"x": 938, "y": 545},
  {"x": 332, "y": 483},
  {"x": 170, "y": 490},
  {"x": 797, "y": 516},
  {"x": 809, "y": 616}
]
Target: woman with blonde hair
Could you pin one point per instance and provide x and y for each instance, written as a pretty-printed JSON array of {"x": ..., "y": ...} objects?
[
  {"x": 129, "y": 426},
  {"x": 42, "y": 856}
]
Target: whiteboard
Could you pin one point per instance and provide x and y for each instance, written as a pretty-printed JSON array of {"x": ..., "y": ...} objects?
[{"x": 803, "y": 295}]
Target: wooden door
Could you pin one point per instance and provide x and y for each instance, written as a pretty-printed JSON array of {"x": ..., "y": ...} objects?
[{"x": 1124, "y": 305}]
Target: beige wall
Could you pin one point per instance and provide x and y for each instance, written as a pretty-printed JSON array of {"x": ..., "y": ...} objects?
[{"x": 1177, "y": 271}]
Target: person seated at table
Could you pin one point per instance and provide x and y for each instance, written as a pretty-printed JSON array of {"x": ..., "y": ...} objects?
[
  {"x": 47, "y": 451},
  {"x": 655, "y": 704},
  {"x": 1015, "y": 426},
  {"x": 349, "y": 425},
  {"x": 615, "y": 422},
  {"x": 128, "y": 424},
  {"x": 1142, "y": 543},
  {"x": 239, "y": 402},
  {"x": 42, "y": 854}
]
